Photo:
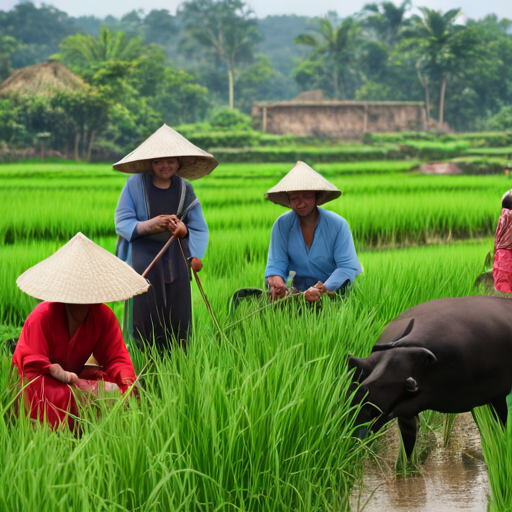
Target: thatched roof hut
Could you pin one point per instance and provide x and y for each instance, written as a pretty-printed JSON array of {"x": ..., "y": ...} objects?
[{"x": 41, "y": 80}]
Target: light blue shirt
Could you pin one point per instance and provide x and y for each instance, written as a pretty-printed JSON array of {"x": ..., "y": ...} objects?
[
  {"x": 331, "y": 259},
  {"x": 132, "y": 209}
]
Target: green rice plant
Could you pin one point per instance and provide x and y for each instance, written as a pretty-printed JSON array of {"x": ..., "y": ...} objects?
[
  {"x": 382, "y": 219},
  {"x": 259, "y": 422},
  {"x": 497, "y": 448}
]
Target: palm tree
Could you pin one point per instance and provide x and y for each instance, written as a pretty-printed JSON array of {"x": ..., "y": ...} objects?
[
  {"x": 436, "y": 39},
  {"x": 386, "y": 20},
  {"x": 87, "y": 54},
  {"x": 337, "y": 45}
]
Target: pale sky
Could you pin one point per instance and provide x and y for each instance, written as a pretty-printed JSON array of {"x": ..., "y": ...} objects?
[{"x": 262, "y": 8}]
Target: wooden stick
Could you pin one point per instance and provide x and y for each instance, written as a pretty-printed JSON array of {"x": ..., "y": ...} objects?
[{"x": 158, "y": 256}]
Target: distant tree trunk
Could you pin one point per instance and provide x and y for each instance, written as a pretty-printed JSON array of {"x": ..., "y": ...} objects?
[
  {"x": 336, "y": 83},
  {"x": 424, "y": 82},
  {"x": 89, "y": 149},
  {"x": 77, "y": 145},
  {"x": 231, "y": 88},
  {"x": 427, "y": 107},
  {"x": 441, "y": 103},
  {"x": 42, "y": 151}
]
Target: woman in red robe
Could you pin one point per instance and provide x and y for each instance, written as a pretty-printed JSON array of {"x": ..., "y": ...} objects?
[
  {"x": 59, "y": 336},
  {"x": 502, "y": 266}
]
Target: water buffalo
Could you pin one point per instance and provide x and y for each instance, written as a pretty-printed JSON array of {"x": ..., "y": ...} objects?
[{"x": 446, "y": 355}]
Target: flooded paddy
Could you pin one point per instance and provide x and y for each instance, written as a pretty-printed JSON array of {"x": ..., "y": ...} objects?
[{"x": 452, "y": 479}]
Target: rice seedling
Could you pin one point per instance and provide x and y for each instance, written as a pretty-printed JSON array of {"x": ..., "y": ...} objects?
[
  {"x": 260, "y": 421},
  {"x": 497, "y": 448}
]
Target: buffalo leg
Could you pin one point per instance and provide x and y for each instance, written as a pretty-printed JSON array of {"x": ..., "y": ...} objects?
[{"x": 408, "y": 429}]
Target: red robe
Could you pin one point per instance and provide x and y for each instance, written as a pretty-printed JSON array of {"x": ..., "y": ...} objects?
[
  {"x": 45, "y": 340},
  {"x": 502, "y": 266}
]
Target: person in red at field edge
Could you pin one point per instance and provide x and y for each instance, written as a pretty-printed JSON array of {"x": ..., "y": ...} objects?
[
  {"x": 62, "y": 333},
  {"x": 502, "y": 266}
]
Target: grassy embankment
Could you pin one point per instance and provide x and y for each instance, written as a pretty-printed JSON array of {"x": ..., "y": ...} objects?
[{"x": 260, "y": 421}]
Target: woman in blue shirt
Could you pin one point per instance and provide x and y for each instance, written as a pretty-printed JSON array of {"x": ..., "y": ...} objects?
[
  {"x": 316, "y": 244},
  {"x": 156, "y": 203}
]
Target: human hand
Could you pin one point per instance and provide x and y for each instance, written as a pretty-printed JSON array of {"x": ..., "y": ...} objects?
[
  {"x": 196, "y": 264},
  {"x": 277, "y": 287},
  {"x": 86, "y": 385},
  {"x": 155, "y": 225},
  {"x": 57, "y": 372},
  {"x": 177, "y": 227},
  {"x": 314, "y": 293},
  {"x": 135, "y": 390}
]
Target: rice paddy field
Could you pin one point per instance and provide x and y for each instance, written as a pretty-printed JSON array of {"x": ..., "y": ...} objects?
[{"x": 258, "y": 419}]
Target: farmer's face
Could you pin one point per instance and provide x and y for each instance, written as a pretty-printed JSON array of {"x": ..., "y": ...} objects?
[
  {"x": 165, "y": 168},
  {"x": 302, "y": 203}
]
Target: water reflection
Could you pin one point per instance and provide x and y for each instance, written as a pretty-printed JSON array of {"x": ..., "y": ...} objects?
[{"x": 453, "y": 479}]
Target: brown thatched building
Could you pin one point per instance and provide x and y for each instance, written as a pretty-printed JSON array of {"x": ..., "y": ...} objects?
[
  {"x": 41, "y": 80},
  {"x": 338, "y": 118}
]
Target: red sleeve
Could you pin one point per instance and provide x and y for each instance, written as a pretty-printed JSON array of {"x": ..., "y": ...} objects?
[
  {"x": 31, "y": 356},
  {"x": 111, "y": 352}
]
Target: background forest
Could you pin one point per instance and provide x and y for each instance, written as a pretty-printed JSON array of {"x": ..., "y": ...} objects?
[{"x": 209, "y": 62}]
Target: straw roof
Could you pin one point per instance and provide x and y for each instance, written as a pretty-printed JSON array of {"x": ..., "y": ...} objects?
[{"x": 41, "y": 80}]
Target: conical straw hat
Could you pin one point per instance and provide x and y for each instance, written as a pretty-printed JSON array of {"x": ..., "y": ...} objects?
[
  {"x": 302, "y": 177},
  {"x": 166, "y": 142},
  {"x": 82, "y": 272}
]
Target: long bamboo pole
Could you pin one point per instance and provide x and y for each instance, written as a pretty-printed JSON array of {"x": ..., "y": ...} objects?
[{"x": 158, "y": 256}]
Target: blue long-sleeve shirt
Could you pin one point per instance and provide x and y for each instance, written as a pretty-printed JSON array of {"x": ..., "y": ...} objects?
[
  {"x": 132, "y": 208},
  {"x": 331, "y": 259}
]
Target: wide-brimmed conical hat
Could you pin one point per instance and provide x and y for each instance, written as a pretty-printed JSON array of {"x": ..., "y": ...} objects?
[
  {"x": 82, "y": 272},
  {"x": 302, "y": 177},
  {"x": 164, "y": 143}
]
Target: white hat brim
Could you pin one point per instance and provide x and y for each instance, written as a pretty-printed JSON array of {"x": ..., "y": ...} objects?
[
  {"x": 167, "y": 143},
  {"x": 82, "y": 272}
]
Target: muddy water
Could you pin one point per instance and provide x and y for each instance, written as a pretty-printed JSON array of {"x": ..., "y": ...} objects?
[{"x": 453, "y": 479}]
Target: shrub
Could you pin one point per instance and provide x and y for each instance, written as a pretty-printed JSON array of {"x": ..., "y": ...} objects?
[
  {"x": 480, "y": 165},
  {"x": 231, "y": 120},
  {"x": 502, "y": 120},
  {"x": 292, "y": 154}
]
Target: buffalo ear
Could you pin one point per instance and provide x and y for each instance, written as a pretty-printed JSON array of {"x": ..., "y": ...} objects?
[
  {"x": 411, "y": 385},
  {"x": 361, "y": 365},
  {"x": 427, "y": 356}
]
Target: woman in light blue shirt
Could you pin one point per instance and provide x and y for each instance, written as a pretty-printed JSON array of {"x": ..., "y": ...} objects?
[
  {"x": 155, "y": 203},
  {"x": 314, "y": 243}
]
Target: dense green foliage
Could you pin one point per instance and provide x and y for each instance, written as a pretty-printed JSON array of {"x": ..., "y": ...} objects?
[{"x": 145, "y": 69}]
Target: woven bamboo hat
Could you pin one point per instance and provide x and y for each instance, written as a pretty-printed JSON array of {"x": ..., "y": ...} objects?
[
  {"x": 82, "y": 272},
  {"x": 164, "y": 143},
  {"x": 302, "y": 177}
]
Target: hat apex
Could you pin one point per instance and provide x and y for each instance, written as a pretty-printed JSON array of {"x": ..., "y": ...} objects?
[{"x": 302, "y": 177}]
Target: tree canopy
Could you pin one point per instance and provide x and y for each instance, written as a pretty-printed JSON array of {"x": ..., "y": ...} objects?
[{"x": 146, "y": 68}]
